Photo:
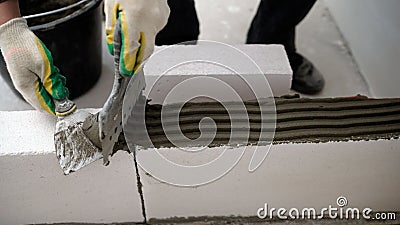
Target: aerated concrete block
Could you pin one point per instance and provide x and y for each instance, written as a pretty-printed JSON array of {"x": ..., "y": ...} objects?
[
  {"x": 251, "y": 71},
  {"x": 33, "y": 188},
  {"x": 292, "y": 176}
]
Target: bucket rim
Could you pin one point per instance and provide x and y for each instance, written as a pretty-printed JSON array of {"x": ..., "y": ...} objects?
[
  {"x": 55, "y": 11},
  {"x": 90, "y": 5}
]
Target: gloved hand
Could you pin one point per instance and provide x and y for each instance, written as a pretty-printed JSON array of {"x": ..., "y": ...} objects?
[
  {"x": 140, "y": 21},
  {"x": 32, "y": 71}
]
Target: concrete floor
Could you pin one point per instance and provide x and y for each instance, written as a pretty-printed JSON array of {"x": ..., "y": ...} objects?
[{"x": 227, "y": 21}]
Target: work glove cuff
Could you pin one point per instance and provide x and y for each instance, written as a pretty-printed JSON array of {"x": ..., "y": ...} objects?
[{"x": 11, "y": 30}]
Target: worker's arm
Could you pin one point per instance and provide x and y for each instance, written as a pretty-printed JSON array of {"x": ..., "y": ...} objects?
[
  {"x": 8, "y": 10},
  {"x": 140, "y": 21},
  {"x": 30, "y": 63}
]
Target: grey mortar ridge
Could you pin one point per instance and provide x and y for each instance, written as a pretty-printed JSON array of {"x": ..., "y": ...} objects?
[
  {"x": 298, "y": 120},
  {"x": 140, "y": 188}
]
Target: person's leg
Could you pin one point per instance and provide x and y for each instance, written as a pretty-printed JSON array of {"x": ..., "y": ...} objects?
[
  {"x": 275, "y": 23},
  {"x": 183, "y": 24}
]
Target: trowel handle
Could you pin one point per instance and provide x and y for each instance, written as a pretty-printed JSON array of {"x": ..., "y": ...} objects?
[
  {"x": 110, "y": 117},
  {"x": 117, "y": 47}
]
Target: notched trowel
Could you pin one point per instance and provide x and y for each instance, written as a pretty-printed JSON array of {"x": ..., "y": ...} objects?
[
  {"x": 82, "y": 137},
  {"x": 74, "y": 149}
]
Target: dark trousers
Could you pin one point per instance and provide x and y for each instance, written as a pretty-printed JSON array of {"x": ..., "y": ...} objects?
[
  {"x": 183, "y": 24},
  {"x": 274, "y": 23}
]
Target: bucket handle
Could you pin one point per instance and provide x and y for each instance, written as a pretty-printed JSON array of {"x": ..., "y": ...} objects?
[{"x": 56, "y": 10}]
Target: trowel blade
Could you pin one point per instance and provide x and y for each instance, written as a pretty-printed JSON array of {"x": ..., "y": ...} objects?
[
  {"x": 73, "y": 148},
  {"x": 111, "y": 117}
]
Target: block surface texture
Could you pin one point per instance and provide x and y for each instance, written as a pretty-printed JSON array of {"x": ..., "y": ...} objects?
[{"x": 248, "y": 70}]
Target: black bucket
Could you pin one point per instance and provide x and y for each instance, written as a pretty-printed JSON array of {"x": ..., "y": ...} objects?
[{"x": 74, "y": 37}]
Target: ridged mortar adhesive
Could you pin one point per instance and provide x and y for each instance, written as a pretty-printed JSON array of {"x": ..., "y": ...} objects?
[{"x": 299, "y": 120}]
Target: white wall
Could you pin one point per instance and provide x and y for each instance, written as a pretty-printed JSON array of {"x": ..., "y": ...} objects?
[
  {"x": 33, "y": 188},
  {"x": 372, "y": 29}
]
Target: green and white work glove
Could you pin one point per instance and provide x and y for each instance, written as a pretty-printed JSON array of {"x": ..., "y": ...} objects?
[
  {"x": 32, "y": 71},
  {"x": 140, "y": 21}
]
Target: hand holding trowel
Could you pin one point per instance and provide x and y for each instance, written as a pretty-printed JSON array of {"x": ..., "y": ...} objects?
[{"x": 81, "y": 137}]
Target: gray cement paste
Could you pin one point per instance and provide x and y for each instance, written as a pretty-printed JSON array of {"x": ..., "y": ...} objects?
[{"x": 299, "y": 120}]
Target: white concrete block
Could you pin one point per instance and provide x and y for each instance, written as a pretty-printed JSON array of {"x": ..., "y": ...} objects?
[
  {"x": 186, "y": 71},
  {"x": 33, "y": 188},
  {"x": 26, "y": 132},
  {"x": 293, "y": 175}
]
